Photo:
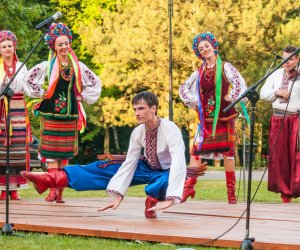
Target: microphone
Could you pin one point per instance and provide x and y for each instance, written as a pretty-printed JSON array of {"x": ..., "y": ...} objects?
[
  {"x": 54, "y": 17},
  {"x": 277, "y": 56}
]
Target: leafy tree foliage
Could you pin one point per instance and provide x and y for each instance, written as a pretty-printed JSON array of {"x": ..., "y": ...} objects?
[
  {"x": 127, "y": 43},
  {"x": 130, "y": 44},
  {"x": 21, "y": 17}
]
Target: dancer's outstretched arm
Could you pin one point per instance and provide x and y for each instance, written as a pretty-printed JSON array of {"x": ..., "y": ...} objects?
[{"x": 115, "y": 204}]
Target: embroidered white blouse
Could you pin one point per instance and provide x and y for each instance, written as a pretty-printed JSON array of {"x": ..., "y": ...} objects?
[
  {"x": 170, "y": 152},
  {"x": 188, "y": 90},
  {"x": 91, "y": 83},
  {"x": 273, "y": 83},
  {"x": 18, "y": 85}
]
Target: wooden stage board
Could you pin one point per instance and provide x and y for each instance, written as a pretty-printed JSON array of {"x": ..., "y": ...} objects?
[{"x": 274, "y": 226}]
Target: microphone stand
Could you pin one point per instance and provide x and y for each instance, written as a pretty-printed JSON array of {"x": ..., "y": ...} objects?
[
  {"x": 244, "y": 134},
  {"x": 253, "y": 96},
  {"x": 9, "y": 93},
  {"x": 243, "y": 155}
]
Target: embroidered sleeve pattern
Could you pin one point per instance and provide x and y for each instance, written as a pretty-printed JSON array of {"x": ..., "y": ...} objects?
[
  {"x": 32, "y": 79},
  {"x": 35, "y": 80},
  {"x": 237, "y": 81},
  {"x": 114, "y": 193},
  {"x": 187, "y": 91},
  {"x": 175, "y": 199},
  {"x": 90, "y": 81},
  {"x": 91, "y": 85}
]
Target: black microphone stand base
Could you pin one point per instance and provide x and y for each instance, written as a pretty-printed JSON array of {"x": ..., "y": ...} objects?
[
  {"x": 8, "y": 231},
  {"x": 247, "y": 244}
]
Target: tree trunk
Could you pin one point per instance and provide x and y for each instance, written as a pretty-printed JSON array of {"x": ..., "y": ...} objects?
[
  {"x": 117, "y": 142},
  {"x": 106, "y": 140}
]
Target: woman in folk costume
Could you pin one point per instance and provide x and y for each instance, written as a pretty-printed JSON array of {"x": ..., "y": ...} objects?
[
  {"x": 209, "y": 90},
  {"x": 19, "y": 122},
  {"x": 69, "y": 83}
]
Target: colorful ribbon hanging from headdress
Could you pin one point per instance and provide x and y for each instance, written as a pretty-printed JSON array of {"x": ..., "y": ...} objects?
[
  {"x": 199, "y": 136},
  {"x": 218, "y": 82},
  {"x": 2, "y": 71}
]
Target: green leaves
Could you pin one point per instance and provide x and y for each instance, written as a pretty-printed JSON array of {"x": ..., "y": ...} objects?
[{"x": 127, "y": 43}]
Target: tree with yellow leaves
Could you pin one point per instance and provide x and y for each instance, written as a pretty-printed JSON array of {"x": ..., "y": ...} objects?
[{"x": 128, "y": 42}]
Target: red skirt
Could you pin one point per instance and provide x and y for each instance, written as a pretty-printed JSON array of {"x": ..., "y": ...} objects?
[
  {"x": 224, "y": 140},
  {"x": 284, "y": 158}
]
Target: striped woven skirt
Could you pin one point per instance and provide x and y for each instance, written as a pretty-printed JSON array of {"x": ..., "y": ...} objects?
[
  {"x": 224, "y": 140},
  {"x": 59, "y": 139},
  {"x": 18, "y": 145}
]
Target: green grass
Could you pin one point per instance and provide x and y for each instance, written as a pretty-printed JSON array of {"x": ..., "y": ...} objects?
[
  {"x": 206, "y": 190},
  {"x": 63, "y": 242}
]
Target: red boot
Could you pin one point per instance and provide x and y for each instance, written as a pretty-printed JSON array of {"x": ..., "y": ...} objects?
[
  {"x": 150, "y": 202},
  {"x": 188, "y": 190},
  {"x": 3, "y": 195},
  {"x": 14, "y": 195},
  {"x": 53, "y": 191},
  {"x": 285, "y": 199},
  {"x": 41, "y": 182},
  {"x": 52, "y": 195},
  {"x": 59, "y": 198},
  {"x": 230, "y": 181}
]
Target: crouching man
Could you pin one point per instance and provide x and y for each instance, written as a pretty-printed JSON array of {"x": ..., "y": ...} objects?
[{"x": 162, "y": 167}]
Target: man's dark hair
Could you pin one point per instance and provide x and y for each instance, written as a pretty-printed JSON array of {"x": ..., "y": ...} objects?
[
  {"x": 150, "y": 98},
  {"x": 290, "y": 49}
]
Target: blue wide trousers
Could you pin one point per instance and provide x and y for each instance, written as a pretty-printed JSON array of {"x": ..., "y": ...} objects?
[{"x": 93, "y": 177}]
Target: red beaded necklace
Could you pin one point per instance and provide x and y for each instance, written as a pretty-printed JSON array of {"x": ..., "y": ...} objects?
[
  {"x": 10, "y": 70},
  {"x": 64, "y": 69},
  {"x": 209, "y": 74}
]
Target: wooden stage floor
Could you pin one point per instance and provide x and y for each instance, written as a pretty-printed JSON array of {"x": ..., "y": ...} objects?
[{"x": 274, "y": 226}]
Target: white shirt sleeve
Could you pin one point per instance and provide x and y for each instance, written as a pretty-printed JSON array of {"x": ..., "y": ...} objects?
[
  {"x": 91, "y": 85},
  {"x": 177, "y": 174},
  {"x": 120, "y": 182},
  {"x": 237, "y": 81},
  {"x": 187, "y": 91},
  {"x": 267, "y": 92},
  {"x": 35, "y": 79}
]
